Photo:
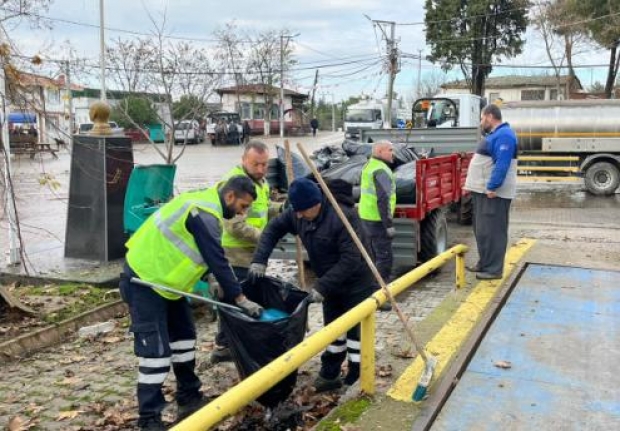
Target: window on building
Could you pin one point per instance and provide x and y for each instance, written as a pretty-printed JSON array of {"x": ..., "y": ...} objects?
[
  {"x": 259, "y": 111},
  {"x": 555, "y": 95},
  {"x": 532, "y": 94},
  {"x": 246, "y": 110},
  {"x": 493, "y": 97},
  {"x": 53, "y": 95}
]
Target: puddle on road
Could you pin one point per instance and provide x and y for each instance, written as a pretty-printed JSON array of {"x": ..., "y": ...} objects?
[{"x": 566, "y": 199}]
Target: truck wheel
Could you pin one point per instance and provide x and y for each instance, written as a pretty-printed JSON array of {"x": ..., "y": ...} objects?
[
  {"x": 433, "y": 235},
  {"x": 602, "y": 178},
  {"x": 465, "y": 211}
]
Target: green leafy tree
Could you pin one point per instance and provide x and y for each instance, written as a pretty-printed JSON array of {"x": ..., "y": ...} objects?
[
  {"x": 189, "y": 106},
  {"x": 474, "y": 34},
  {"x": 138, "y": 109}
]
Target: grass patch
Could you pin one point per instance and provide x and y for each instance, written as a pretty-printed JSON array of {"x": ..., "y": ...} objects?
[{"x": 344, "y": 414}]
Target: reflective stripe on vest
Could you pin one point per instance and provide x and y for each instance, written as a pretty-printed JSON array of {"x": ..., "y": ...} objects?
[
  {"x": 163, "y": 251},
  {"x": 258, "y": 213},
  {"x": 368, "y": 208}
]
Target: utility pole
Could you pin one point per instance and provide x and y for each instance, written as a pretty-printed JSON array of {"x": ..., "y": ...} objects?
[
  {"x": 288, "y": 37},
  {"x": 333, "y": 114},
  {"x": 392, "y": 64},
  {"x": 14, "y": 247},
  {"x": 69, "y": 100},
  {"x": 419, "y": 85},
  {"x": 102, "y": 50}
]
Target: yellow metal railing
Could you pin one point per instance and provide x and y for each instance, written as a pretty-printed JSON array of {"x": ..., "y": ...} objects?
[{"x": 260, "y": 382}]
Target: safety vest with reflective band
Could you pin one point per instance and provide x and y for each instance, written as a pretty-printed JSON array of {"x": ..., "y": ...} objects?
[
  {"x": 257, "y": 213},
  {"x": 163, "y": 251},
  {"x": 368, "y": 208}
]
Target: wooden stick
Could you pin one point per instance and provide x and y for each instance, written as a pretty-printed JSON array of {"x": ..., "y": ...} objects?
[
  {"x": 299, "y": 253},
  {"x": 363, "y": 251}
]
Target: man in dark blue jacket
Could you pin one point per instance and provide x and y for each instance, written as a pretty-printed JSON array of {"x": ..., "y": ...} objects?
[
  {"x": 492, "y": 179},
  {"x": 344, "y": 279}
]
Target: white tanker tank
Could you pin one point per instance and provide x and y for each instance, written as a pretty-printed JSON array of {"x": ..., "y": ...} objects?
[{"x": 566, "y": 119}]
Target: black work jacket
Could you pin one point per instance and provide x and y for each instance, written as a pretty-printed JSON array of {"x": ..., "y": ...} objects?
[{"x": 334, "y": 257}]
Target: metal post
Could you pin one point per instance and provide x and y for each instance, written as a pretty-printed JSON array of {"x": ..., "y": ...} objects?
[
  {"x": 14, "y": 246},
  {"x": 419, "y": 86},
  {"x": 102, "y": 51},
  {"x": 367, "y": 352},
  {"x": 333, "y": 114},
  {"x": 282, "y": 86},
  {"x": 69, "y": 101},
  {"x": 460, "y": 271}
]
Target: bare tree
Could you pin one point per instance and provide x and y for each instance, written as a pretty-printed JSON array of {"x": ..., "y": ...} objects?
[
  {"x": 551, "y": 19},
  {"x": 230, "y": 54},
  {"x": 15, "y": 11},
  {"x": 264, "y": 65},
  {"x": 163, "y": 71},
  {"x": 431, "y": 82}
]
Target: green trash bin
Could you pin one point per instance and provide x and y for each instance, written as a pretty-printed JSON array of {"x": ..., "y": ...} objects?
[
  {"x": 150, "y": 186},
  {"x": 156, "y": 132}
]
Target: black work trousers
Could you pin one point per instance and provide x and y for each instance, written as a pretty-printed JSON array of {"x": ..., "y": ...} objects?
[
  {"x": 380, "y": 248},
  {"x": 164, "y": 335},
  {"x": 335, "y": 354},
  {"x": 491, "y": 217}
]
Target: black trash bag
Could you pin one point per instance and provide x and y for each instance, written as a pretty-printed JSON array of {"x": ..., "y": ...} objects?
[
  {"x": 404, "y": 177},
  {"x": 350, "y": 171},
  {"x": 328, "y": 156},
  {"x": 300, "y": 168},
  {"x": 403, "y": 153},
  {"x": 352, "y": 148},
  {"x": 254, "y": 343}
]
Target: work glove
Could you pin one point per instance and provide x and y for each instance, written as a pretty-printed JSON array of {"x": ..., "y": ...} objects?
[
  {"x": 250, "y": 308},
  {"x": 215, "y": 290},
  {"x": 391, "y": 231},
  {"x": 256, "y": 271},
  {"x": 315, "y": 296}
]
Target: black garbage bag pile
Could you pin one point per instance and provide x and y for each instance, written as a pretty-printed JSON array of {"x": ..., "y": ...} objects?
[
  {"x": 404, "y": 177},
  {"x": 349, "y": 171},
  {"x": 328, "y": 156},
  {"x": 352, "y": 148},
  {"x": 403, "y": 154},
  {"x": 255, "y": 343}
]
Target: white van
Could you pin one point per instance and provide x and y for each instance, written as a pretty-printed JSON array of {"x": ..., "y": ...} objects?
[{"x": 188, "y": 131}]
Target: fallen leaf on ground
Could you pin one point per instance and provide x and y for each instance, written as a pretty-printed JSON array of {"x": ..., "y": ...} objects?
[
  {"x": 15, "y": 424},
  {"x": 110, "y": 340},
  {"x": 384, "y": 370},
  {"x": 503, "y": 364},
  {"x": 350, "y": 427},
  {"x": 68, "y": 414}
]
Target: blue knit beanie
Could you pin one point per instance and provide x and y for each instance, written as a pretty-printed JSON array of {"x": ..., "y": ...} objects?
[{"x": 303, "y": 194}]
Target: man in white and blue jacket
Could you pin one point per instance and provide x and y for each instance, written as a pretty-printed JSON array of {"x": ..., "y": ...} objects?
[{"x": 492, "y": 179}]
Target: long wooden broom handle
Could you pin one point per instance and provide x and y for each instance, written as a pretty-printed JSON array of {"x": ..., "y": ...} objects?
[
  {"x": 299, "y": 253},
  {"x": 363, "y": 251}
]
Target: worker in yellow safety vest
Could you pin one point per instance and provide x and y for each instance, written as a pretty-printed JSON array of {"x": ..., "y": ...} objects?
[
  {"x": 376, "y": 208},
  {"x": 242, "y": 233},
  {"x": 175, "y": 247}
]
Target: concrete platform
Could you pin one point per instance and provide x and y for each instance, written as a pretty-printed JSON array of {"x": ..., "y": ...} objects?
[{"x": 559, "y": 330}]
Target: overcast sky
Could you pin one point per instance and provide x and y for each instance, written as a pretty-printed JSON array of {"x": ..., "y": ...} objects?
[{"x": 330, "y": 31}]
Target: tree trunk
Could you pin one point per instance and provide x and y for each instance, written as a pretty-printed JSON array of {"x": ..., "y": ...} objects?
[{"x": 611, "y": 74}]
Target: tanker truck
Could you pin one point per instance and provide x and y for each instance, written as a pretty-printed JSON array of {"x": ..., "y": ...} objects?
[{"x": 583, "y": 133}]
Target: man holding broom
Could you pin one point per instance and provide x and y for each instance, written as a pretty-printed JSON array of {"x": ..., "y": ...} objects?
[{"x": 344, "y": 279}]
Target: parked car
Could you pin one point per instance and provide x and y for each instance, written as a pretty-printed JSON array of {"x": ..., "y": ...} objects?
[
  {"x": 84, "y": 128},
  {"x": 188, "y": 131}
]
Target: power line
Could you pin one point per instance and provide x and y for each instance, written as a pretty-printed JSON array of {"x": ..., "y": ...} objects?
[{"x": 466, "y": 18}]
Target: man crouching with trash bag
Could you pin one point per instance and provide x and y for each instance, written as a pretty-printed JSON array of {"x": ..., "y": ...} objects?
[
  {"x": 175, "y": 247},
  {"x": 344, "y": 279}
]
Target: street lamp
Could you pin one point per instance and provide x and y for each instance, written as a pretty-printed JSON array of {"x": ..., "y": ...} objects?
[
  {"x": 282, "y": 37},
  {"x": 102, "y": 51}
]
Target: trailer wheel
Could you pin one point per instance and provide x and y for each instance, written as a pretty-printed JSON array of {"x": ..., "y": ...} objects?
[
  {"x": 465, "y": 210},
  {"x": 433, "y": 235},
  {"x": 602, "y": 178}
]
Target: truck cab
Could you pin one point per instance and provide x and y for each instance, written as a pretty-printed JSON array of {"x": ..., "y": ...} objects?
[
  {"x": 447, "y": 111},
  {"x": 369, "y": 115}
]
